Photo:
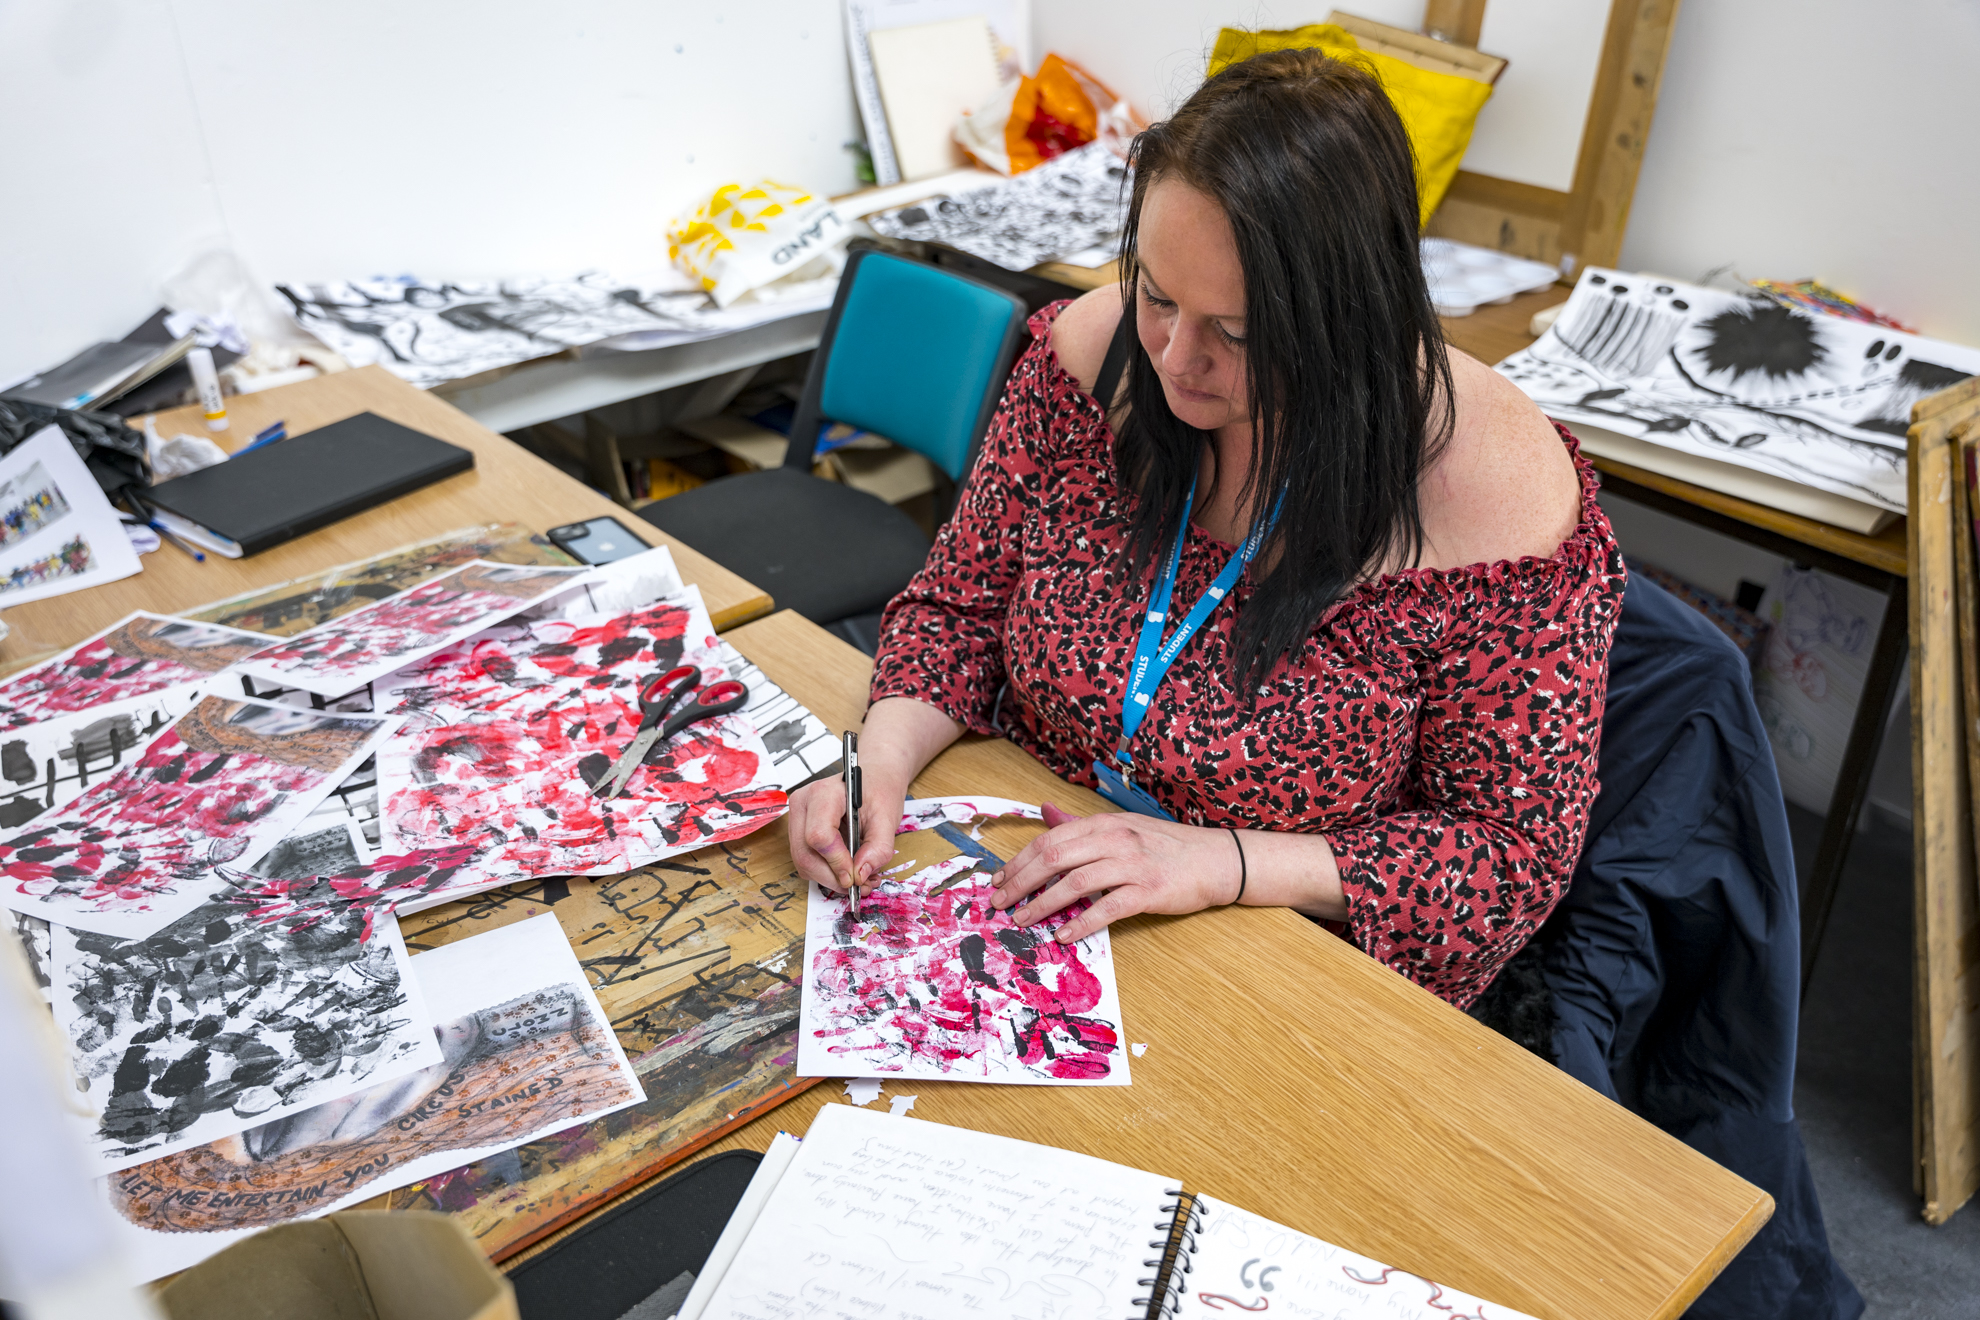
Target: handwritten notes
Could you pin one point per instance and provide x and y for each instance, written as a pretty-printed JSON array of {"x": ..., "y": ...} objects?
[
  {"x": 1245, "y": 1262},
  {"x": 896, "y": 1217}
]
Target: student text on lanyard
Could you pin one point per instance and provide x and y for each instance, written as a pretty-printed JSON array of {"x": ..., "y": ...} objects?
[{"x": 1152, "y": 658}]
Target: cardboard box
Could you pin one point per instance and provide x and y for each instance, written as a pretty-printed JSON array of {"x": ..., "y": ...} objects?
[{"x": 353, "y": 1265}]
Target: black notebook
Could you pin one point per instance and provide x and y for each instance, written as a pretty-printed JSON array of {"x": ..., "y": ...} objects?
[{"x": 259, "y": 499}]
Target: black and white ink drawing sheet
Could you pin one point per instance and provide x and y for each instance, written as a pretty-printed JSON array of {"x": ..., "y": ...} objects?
[
  {"x": 239, "y": 1013},
  {"x": 1069, "y": 204},
  {"x": 524, "y": 1051},
  {"x": 1740, "y": 378}
]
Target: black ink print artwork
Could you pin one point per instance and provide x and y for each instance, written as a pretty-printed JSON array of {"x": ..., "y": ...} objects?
[
  {"x": 1067, "y": 205},
  {"x": 1740, "y": 378},
  {"x": 268, "y": 999},
  {"x": 431, "y": 332},
  {"x": 51, "y": 763},
  {"x": 522, "y": 1050}
]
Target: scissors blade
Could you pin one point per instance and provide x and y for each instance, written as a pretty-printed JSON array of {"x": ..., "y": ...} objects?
[{"x": 614, "y": 783}]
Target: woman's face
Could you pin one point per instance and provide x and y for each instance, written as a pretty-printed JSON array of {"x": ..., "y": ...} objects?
[{"x": 1189, "y": 309}]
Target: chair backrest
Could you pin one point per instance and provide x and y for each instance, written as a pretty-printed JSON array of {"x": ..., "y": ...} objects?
[{"x": 911, "y": 352}]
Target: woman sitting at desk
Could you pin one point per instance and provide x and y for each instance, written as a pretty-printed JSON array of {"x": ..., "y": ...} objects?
[{"x": 1367, "y": 684}]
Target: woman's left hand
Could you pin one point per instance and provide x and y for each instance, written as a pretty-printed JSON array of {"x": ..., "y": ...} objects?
[{"x": 1124, "y": 862}]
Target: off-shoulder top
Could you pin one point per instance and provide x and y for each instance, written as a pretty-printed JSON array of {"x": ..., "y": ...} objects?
[{"x": 1438, "y": 727}]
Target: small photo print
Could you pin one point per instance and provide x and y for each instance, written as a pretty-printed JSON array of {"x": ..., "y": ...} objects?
[
  {"x": 74, "y": 557},
  {"x": 29, "y": 503}
]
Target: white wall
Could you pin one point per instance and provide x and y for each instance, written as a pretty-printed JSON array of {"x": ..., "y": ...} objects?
[
  {"x": 1793, "y": 138},
  {"x": 1826, "y": 138},
  {"x": 383, "y": 136}
]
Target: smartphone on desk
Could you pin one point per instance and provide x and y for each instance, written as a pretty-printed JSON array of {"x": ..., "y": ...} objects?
[{"x": 598, "y": 541}]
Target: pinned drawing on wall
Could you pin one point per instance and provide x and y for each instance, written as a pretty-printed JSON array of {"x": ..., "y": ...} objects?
[
  {"x": 931, "y": 981},
  {"x": 524, "y": 1052},
  {"x": 1740, "y": 378},
  {"x": 360, "y": 648},
  {"x": 139, "y": 654},
  {"x": 226, "y": 781},
  {"x": 260, "y": 1003},
  {"x": 58, "y": 532},
  {"x": 505, "y": 734}
]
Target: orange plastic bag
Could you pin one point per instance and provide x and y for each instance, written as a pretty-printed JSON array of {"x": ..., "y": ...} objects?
[{"x": 1031, "y": 120}]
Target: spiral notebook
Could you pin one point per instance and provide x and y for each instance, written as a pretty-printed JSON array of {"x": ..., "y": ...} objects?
[{"x": 875, "y": 1215}]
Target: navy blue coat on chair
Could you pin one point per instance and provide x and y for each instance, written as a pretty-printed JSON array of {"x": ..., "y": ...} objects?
[{"x": 1673, "y": 963}]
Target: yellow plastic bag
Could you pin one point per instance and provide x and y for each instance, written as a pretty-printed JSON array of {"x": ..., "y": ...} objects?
[
  {"x": 1031, "y": 120},
  {"x": 746, "y": 237},
  {"x": 1438, "y": 110}
]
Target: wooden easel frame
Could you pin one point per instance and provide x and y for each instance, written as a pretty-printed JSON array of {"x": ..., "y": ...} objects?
[
  {"x": 1946, "y": 902},
  {"x": 1583, "y": 226}
]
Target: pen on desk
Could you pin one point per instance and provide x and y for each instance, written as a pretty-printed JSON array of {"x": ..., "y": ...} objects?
[
  {"x": 268, "y": 435},
  {"x": 849, "y": 775},
  {"x": 150, "y": 518}
]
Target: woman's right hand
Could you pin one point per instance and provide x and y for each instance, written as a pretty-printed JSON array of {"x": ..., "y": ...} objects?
[
  {"x": 899, "y": 737},
  {"x": 817, "y": 831}
]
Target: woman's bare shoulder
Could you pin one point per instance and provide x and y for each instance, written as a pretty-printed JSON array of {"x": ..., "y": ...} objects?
[
  {"x": 1081, "y": 334},
  {"x": 1505, "y": 486}
]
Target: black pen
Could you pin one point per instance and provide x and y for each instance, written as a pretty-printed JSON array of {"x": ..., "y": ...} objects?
[{"x": 849, "y": 776}]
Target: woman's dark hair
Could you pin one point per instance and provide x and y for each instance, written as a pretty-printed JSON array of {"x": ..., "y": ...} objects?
[{"x": 1350, "y": 383}]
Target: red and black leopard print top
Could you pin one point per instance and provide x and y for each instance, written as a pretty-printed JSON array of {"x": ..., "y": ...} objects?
[{"x": 1439, "y": 727}]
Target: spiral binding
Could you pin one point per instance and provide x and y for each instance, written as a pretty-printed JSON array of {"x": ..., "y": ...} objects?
[{"x": 1176, "y": 1250}]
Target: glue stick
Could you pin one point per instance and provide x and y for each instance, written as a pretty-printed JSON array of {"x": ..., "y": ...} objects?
[{"x": 208, "y": 384}]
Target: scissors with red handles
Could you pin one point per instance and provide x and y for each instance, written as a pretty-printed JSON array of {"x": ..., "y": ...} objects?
[{"x": 660, "y": 721}]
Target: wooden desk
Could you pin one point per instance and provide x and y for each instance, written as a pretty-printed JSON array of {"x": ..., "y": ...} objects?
[
  {"x": 1300, "y": 1079},
  {"x": 507, "y": 484}
]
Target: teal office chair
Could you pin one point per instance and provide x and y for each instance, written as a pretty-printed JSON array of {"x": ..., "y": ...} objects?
[{"x": 911, "y": 352}]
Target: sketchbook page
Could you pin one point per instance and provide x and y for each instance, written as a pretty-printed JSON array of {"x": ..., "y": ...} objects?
[
  {"x": 877, "y": 1210},
  {"x": 138, "y": 850},
  {"x": 526, "y": 1052},
  {"x": 51, "y": 763},
  {"x": 58, "y": 532},
  {"x": 1244, "y": 1262},
  {"x": 931, "y": 981},
  {"x": 366, "y": 645},
  {"x": 505, "y": 734},
  {"x": 1738, "y": 377},
  {"x": 242, "y": 1012},
  {"x": 139, "y": 654}
]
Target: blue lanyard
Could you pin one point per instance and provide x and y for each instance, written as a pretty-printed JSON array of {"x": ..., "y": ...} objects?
[{"x": 1151, "y": 665}]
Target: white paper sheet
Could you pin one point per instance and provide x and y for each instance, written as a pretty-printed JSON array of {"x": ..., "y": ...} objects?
[
  {"x": 139, "y": 653},
  {"x": 930, "y": 981},
  {"x": 365, "y": 645},
  {"x": 58, "y": 532},
  {"x": 527, "y": 1052},
  {"x": 878, "y": 1213},
  {"x": 138, "y": 850},
  {"x": 1245, "y": 1262},
  {"x": 228, "y": 1019},
  {"x": 1743, "y": 379}
]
